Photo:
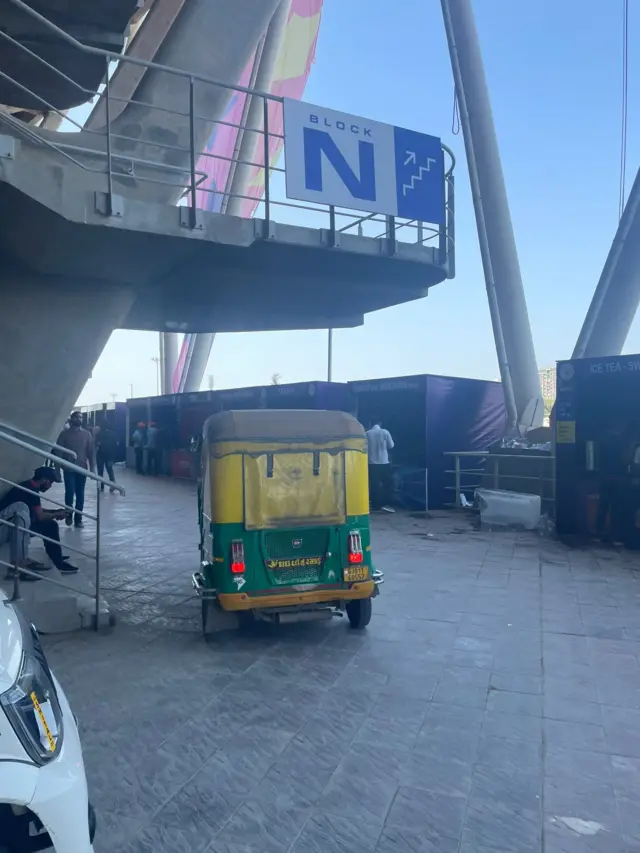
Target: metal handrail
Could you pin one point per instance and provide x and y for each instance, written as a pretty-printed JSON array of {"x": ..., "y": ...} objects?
[
  {"x": 31, "y": 437},
  {"x": 49, "y": 500},
  {"x": 49, "y": 539},
  {"x": 63, "y": 463},
  {"x": 458, "y": 472},
  {"x": 40, "y": 576},
  {"x": 193, "y": 178},
  {"x": 100, "y": 482},
  {"x": 118, "y": 57}
]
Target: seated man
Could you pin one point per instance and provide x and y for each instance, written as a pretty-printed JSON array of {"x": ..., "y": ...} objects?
[
  {"x": 43, "y": 521},
  {"x": 18, "y": 516}
]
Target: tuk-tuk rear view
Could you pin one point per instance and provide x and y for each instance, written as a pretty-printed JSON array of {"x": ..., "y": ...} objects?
[{"x": 284, "y": 519}]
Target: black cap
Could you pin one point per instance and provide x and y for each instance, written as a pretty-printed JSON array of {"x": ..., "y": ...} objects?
[{"x": 44, "y": 473}]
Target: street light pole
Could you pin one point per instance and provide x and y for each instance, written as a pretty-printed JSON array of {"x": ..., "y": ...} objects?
[
  {"x": 329, "y": 355},
  {"x": 156, "y": 359}
]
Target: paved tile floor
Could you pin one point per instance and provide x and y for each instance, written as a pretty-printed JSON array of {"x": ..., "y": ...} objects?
[{"x": 493, "y": 705}]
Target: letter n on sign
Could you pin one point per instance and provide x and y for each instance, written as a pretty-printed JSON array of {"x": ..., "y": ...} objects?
[{"x": 319, "y": 142}]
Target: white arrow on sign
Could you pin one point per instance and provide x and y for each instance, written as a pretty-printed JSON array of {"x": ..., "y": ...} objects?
[{"x": 422, "y": 171}]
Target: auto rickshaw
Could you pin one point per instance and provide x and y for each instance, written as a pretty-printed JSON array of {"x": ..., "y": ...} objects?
[{"x": 284, "y": 519}]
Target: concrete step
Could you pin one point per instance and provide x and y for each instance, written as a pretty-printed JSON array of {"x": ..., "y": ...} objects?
[{"x": 54, "y": 610}]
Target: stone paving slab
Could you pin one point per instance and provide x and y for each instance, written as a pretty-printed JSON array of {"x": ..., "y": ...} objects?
[{"x": 492, "y": 706}]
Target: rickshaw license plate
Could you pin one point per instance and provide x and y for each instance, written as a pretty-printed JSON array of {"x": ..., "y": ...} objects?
[
  {"x": 356, "y": 573},
  {"x": 294, "y": 563}
]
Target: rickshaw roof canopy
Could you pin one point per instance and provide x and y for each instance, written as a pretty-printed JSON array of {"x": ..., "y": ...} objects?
[{"x": 313, "y": 425}]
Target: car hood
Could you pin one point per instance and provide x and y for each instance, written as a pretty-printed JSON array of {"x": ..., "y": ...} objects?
[{"x": 10, "y": 644}]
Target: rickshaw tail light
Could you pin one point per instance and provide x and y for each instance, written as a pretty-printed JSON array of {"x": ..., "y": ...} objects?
[
  {"x": 355, "y": 547},
  {"x": 237, "y": 557}
]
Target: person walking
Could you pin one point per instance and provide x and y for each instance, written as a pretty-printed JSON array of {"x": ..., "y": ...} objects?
[
  {"x": 137, "y": 440},
  {"x": 80, "y": 441},
  {"x": 153, "y": 450},
  {"x": 379, "y": 443},
  {"x": 106, "y": 452}
]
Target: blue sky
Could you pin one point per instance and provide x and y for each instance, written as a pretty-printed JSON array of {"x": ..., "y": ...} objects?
[{"x": 554, "y": 72}]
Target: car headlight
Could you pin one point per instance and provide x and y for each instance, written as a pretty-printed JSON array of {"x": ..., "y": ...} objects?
[{"x": 32, "y": 707}]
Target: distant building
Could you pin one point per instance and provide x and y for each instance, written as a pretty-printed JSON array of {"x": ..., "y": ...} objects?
[{"x": 548, "y": 382}]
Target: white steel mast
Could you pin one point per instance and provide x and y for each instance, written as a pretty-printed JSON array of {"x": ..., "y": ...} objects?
[{"x": 505, "y": 292}]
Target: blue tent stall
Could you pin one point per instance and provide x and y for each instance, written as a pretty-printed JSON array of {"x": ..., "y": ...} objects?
[{"x": 427, "y": 416}]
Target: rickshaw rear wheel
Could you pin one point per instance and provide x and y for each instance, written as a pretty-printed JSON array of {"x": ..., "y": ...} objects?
[{"x": 359, "y": 613}]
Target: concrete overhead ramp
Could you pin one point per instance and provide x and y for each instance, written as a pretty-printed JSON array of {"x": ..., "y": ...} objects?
[{"x": 92, "y": 240}]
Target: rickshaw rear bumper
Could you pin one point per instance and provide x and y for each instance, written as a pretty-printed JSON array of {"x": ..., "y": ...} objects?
[{"x": 241, "y": 601}]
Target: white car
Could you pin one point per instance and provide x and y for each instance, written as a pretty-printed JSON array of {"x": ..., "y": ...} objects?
[{"x": 43, "y": 787}]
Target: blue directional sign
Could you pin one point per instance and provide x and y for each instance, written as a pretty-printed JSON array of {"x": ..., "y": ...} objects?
[{"x": 348, "y": 161}]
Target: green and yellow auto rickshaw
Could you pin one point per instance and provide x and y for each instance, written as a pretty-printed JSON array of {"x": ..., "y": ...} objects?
[{"x": 284, "y": 519}]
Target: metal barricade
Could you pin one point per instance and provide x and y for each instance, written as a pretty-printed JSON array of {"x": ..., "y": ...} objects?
[{"x": 482, "y": 469}]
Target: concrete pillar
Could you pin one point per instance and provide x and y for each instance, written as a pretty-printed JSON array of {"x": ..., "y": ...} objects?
[
  {"x": 249, "y": 142},
  {"x": 197, "y": 361},
  {"x": 247, "y": 149},
  {"x": 52, "y": 332},
  {"x": 169, "y": 356}
]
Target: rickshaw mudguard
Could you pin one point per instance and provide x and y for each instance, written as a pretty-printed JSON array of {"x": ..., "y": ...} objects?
[{"x": 244, "y": 601}]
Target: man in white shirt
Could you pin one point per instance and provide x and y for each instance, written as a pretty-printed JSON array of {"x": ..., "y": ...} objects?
[{"x": 379, "y": 442}]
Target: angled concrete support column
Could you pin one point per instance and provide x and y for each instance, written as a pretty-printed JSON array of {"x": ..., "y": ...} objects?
[
  {"x": 169, "y": 360},
  {"x": 52, "y": 332},
  {"x": 617, "y": 295},
  {"x": 246, "y": 152},
  {"x": 212, "y": 38},
  {"x": 197, "y": 364},
  {"x": 249, "y": 141}
]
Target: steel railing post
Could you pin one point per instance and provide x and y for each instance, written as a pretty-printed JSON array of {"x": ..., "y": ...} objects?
[
  {"x": 457, "y": 467},
  {"x": 97, "y": 612},
  {"x": 391, "y": 234},
  {"x": 16, "y": 574},
  {"x": 192, "y": 153},
  {"x": 442, "y": 244},
  {"x": 332, "y": 226},
  {"x": 451, "y": 227},
  {"x": 266, "y": 155},
  {"x": 107, "y": 113}
]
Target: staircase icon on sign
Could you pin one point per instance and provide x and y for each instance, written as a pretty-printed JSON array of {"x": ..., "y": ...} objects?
[{"x": 412, "y": 159}]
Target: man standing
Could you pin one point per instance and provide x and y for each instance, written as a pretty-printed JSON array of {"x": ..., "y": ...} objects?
[
  {"x": 43, "y": 521},
  {"x": 152, "y": 449},
  {"x": 79, "y": 440},
  {"x": 379, "y": 443},
  {"x": 106, "y": 450},
  {"x": 137, "y": 439}
]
